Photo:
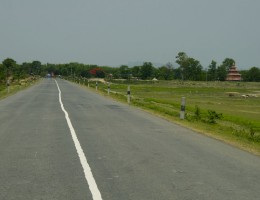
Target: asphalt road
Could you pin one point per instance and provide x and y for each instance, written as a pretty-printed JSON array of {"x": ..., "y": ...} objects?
[{"x": 132, "y": 154}]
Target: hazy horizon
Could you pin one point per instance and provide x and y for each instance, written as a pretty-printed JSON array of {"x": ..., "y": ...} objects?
[{"x": 118, "y": 32}]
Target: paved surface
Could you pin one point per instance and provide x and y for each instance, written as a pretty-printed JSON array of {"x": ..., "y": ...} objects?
[{"x": 132, "y": 154}]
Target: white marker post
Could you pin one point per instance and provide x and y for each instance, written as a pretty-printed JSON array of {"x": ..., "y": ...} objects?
[
  {"x": 96, "y": 85},
  {"x": 108, "y": 89},
  {"x": 182, "y": 113},
  {"x": 88, "y": 83},
  {"x": 128, "y": 94}
]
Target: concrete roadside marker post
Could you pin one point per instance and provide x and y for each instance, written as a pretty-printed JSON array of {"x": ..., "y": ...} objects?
[
  {"x": 128, "y": 94},
  {"x": 88, "y": 83},
  {"x": 108, "y": 89},
  {"x": 182, "y": 113},
  {"x": 96, "y": 85}
]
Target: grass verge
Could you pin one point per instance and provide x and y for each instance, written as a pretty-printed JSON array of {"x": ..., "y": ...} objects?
[{"x": 16, "y": 87}]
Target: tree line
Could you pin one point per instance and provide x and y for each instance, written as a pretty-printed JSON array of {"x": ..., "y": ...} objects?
[{"x": 188, "y": 69}]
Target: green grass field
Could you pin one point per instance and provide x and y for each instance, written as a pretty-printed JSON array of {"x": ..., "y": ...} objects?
[{"x": 240, "y": 122}]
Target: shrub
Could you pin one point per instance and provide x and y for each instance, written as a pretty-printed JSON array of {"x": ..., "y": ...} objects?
[
  {"x": 252, "y": 131},
  {"x": 197, "y": 113},
  {"x": 213, "y": 116}
]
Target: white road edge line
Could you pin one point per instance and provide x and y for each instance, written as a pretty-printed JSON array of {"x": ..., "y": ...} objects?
[{"x": 83, "y": 160}]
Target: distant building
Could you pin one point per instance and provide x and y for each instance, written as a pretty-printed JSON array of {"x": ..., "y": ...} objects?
[{"x": 233, "y": 74}]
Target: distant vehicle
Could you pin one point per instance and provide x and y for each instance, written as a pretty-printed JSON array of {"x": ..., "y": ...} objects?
[{"x": 48, "y": 76}]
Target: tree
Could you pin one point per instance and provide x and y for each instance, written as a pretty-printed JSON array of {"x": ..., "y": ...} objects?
[
  {"x": 9, "y": 64},
  {"x": 190, "y": 68},
  {"x": 18, "y": 72},
  {"x": 166, "y": 72},
  {"x": 181, "y": 59},
  {"x": 177, "y": 73},
  {"x": 228, "y": 62},
  {"x": 146, "y": 70},
  {"x": 194, "y": 70},
  {"x": 35, "y": 67},
  {"x": 212, "y": 71},
  {"x": 85, "y": 74},
  {"x": 124, "y": 71},
  {"x": 97, "y": 72},
  {"x": 252, "y": 74},
  {"x": 100, "y": 74},
  {"x": 136, "y": 71},
  {"x": 221, "y": 73},
  {"x": 26, "y": 67},
  {"x": 2, "y": 74}
]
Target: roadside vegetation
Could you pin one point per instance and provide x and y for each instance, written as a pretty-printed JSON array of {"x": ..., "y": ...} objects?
[
  {"x": 14, "y": 77},
  {"x": 17, "y": 86}
]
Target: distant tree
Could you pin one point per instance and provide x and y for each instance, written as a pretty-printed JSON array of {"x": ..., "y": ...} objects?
[
  {"x": 162, "y": 73},
  {"x": 36, "y": 67},
  {"x": 85, "y": 73},
  {"x": 26, "y": 67},
  {"x": 182, "y": 60},
  {"x": 177, "y": 73},
  {"x": 166, "y": 72},
  {"x": 100, "y": 74},
  {"x": 8, "y": 65},
  {"x": 190, "y": 68},
  {"x": 212, "y": 71},
  {"x": 18, "y": 72},
  {"x": 124, "y": 71},
  {"x": 110, "y": 71},
  {"x": 170, "y": 70},
  {"x": 253, "y": 75},
  {"x": 136, "y": 71},
  {"x": 243, "y": 74},
  {"x": 228, "y": 62},
  {"x": 50, "y": 68},
  {"x": 221, "y": 73},
  {"x": 194, "y": 71},
  {"x": 97, "y": 72},
  {"x": 2, "y": 74},
  {"x": 146, "y": 70}
]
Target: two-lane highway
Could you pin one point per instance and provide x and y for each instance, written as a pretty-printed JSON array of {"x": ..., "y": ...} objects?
[{"x": 56, "y": 136}]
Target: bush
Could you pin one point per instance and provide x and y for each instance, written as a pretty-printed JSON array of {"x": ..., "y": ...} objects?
[
  {"x": 213, "y": 116},
  {"x": 250, "y": 134},
  {"x": 252, "y": 131},
  {"x": 197, "y": 113},
  {"x": 194, "y": 117}
]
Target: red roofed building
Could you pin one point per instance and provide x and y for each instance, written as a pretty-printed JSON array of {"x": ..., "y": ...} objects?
[{"x": 233, "y": 74}]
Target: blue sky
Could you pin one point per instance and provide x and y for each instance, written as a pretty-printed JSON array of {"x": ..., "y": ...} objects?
[{"x": 115, "y": 32}]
